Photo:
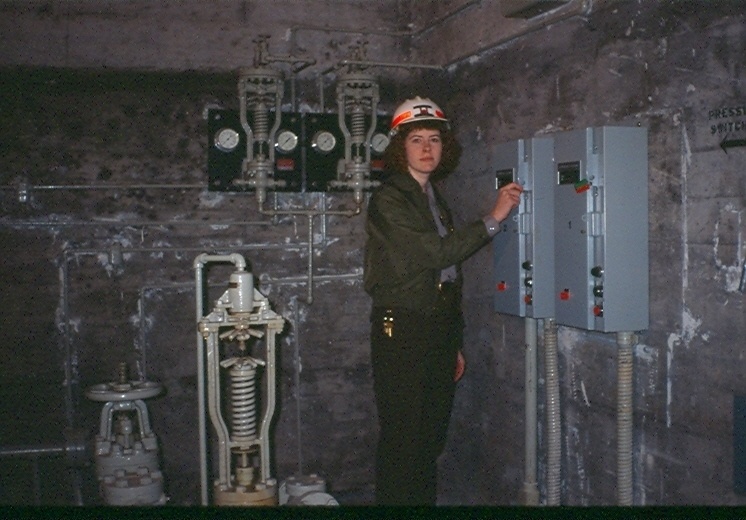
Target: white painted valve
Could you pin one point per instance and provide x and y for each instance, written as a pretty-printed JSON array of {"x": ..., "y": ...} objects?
[
  {"x": 305, "y": 490},
  {"x": 126, "y": 449}
]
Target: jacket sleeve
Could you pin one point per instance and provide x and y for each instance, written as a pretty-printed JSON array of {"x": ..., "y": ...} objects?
[{"x": 404, "y": 228}]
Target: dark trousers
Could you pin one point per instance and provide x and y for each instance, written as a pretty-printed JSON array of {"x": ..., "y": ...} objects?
[{"x": 413, "y": 382}]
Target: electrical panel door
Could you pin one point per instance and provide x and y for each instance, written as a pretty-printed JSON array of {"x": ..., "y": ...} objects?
[
  {"x": 524, "y": 249},
  {"x": 601, "y": 228}
]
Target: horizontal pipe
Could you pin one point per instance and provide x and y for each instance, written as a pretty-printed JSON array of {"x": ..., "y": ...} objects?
[
  {"x": 390, "y": 34},
  {"x": 233, "y": 258},
  {"x": 63, "y": 187},
  {"x": 349, "y": 30},
  {"x": 365, "y": 63},
  {"x": 253, "y": 247},
  {"x": 579, "y": 8},
  {"x": 445, "y": 18},
  {"x": 264, "y": 279},
  {"x": 129, "y": 223},
  {"x": 48, "y": 450}
]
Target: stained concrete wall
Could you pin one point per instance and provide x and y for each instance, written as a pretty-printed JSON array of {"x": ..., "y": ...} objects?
[
  {"x": 677, "y": 69},
  {"x": 72, "y": 310}
]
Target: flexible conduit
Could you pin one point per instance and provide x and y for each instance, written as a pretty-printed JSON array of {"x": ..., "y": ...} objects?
[
  {"x": 624, "y": 418},
  {"x": 530, "y": 491},
  {"x": 554, "y": 425}
]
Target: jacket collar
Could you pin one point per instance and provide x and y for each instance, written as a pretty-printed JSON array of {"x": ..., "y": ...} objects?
[{"x": 405, "y": 182}]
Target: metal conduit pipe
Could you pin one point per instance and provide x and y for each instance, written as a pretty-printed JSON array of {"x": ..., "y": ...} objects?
[
  {"x": 296, "y": 381},
  {"x": 86, "y": 187},
  {"x": 367, "y": 63},
  {"x": 74, "y": 449},
  {"x": 47, "y": 450},
  {"x": 390, "y": 34},
  {"x": 554, "y": 423},
  {"x": 311, "y": 213},
  {"x": 530, "y": 490},
  {"x": 128, "y": 223},
  {"x": 66, "y": 343},
  {"x": 625, "y": 340},
  {"x": 142, "y": 367},
  {"x": 579, "y": 8},
  {"x": 309, "y": 298},
  {"x": 290, "y": 280}
]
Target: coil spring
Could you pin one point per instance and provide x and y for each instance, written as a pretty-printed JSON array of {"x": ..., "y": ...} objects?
[
  {"x": 243, "y": 401},
  {"x": 261, "y": 122},
  {"x": 357, "y": 124}
]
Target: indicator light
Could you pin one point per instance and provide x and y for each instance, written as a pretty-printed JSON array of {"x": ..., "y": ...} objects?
[
  {"x": 565, "y": 295},
  {"x": 502, "y": 286},
  {"x": 598, "y": 310},
  {"x": 285, "y": 164},
  {"x": 528, "y": 299}
]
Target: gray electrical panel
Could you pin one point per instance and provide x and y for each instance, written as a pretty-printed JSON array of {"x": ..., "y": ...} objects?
[
  {"x": 523, "y": 268},
  {"x": 601, "y": 228}
]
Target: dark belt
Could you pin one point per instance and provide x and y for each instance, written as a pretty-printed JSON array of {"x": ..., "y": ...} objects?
[{"x": 449, "y": 298}]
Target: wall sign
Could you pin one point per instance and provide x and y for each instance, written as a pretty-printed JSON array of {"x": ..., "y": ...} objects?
[{"x": 729, "y": 122}]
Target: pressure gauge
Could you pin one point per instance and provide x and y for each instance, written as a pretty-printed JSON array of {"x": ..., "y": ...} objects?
[
  {"x": 226, "y": 139},
  {"x": 324, "y": 141},
  {"x": 286, "y": 142},
  {"x": 379, "y": 142}
]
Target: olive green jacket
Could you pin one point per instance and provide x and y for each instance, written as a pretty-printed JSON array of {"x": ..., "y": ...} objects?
[{"x": 404, "y": 253}]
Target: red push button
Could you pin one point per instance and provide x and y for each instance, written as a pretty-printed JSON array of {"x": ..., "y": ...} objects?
[
  {"x": 565, "y": 295},
  {"x": 502, "y": 286},
  {"x": 528, "y": 299},
  {"x": 598, "y": 310}
]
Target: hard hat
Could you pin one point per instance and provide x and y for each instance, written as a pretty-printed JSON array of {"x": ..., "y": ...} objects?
[{"x": 417, "y": 109}]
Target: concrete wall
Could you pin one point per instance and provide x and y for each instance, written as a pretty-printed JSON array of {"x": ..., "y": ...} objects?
[
  {"x": 100, "y": 104},
  {"x": 673, "y": 69}
]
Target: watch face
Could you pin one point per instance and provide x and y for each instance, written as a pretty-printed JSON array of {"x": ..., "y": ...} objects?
[
  {"x": 286, "y": 142},
  {"x": 324, "y": 142},
  {"x": 379, "y": 142},
  {"x": 226, "y": 139}
]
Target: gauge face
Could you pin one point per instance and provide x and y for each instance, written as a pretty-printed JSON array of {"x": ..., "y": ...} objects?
[
  {"x": 286, "y": 142},
  {"x": 226, "y": 139},
  {"x": 379, "y": 142},
  {"x": 324, "y": 141}
]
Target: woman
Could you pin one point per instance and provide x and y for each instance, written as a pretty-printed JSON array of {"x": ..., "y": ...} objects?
[{"x": 412, "y": 273}]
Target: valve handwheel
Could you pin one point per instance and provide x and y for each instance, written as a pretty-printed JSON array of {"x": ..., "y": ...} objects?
[{"x": 128, "y": 391}]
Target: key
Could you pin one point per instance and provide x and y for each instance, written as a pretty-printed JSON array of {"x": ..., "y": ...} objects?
[{"x": 388, "y": 325}]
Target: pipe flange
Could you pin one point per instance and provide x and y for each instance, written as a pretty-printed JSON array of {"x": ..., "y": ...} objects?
[{"x": 129, "y": 391}]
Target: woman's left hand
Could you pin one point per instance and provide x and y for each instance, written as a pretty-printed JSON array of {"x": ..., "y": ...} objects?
[{"x": 460, "y": 367}]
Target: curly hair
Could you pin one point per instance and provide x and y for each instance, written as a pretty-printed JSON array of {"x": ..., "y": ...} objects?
[{"x": 395, "y": 155}]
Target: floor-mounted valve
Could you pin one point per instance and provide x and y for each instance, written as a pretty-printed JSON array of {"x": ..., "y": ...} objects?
[
  {"x": 126, "y": 449},
  {"x": 237, "y": 390}
]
